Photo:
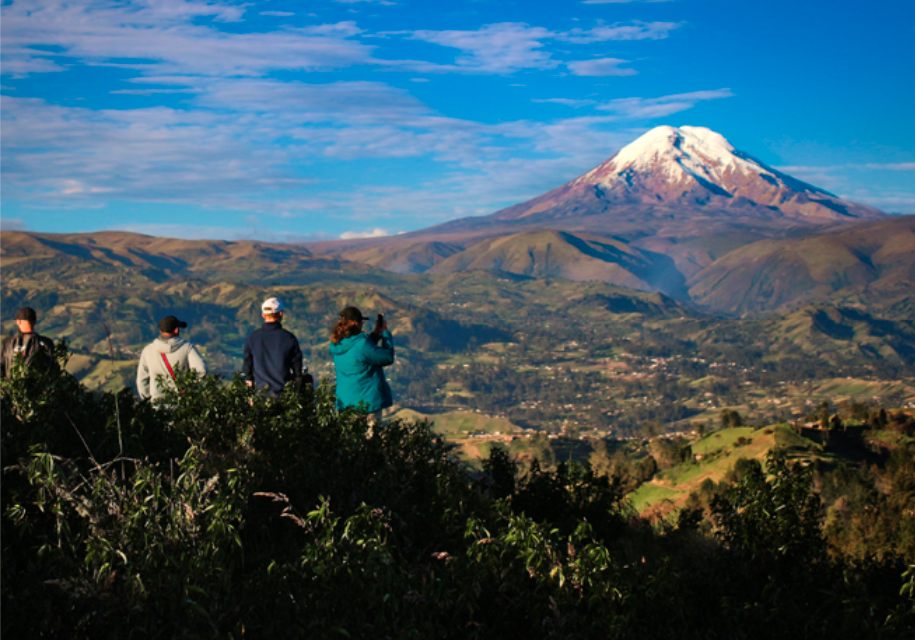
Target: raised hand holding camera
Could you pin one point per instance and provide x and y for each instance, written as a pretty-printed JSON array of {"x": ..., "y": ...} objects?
[{"x": 380, "y": 324}]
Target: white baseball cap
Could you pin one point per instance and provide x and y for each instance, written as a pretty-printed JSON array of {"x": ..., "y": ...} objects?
[{"x": 272, "y": 305}]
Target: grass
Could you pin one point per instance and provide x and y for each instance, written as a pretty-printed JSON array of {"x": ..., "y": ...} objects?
[
  {"x": 720, "y": 452},
  {"x": 721, "y": 439},
  {"x": 460, "y": 424},
  {"x": 99, "y": 373},
  {"x": 787, "y": 439},
  {"x": 650, "y": 494}
]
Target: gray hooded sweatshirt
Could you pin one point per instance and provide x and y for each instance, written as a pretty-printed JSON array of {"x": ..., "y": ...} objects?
[{"x": 180, "y": 354}]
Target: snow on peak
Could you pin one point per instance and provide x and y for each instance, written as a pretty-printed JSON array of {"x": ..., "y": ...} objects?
[{"x": 677, "y": 153}]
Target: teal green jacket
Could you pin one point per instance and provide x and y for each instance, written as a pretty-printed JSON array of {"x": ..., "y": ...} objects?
[{"x": 358, "y": 361}]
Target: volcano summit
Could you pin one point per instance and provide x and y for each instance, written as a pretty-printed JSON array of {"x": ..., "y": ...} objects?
[
  {"x": 688, "y": 174},
  {"x": 657, "y": 215}
]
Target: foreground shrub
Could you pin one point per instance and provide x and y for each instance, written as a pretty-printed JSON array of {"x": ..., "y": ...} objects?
[{"x": 222, "y": 513}]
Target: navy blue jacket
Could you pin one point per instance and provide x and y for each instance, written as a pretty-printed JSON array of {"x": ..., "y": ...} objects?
[{"x": 272, "y": 358}]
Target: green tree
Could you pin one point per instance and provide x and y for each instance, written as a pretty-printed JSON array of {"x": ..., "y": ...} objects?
[{"x": 772, "y": 513}]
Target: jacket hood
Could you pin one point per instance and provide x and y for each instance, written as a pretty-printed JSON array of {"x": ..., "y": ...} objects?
[
  {"x": 171, "y": 345},
  {"x": 346, "y": 344}
]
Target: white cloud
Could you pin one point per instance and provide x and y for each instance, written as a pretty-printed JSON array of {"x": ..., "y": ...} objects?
[
  {"x": 494, "y": 48},
  {"x": 600, "y": 67},
  {"x": 891, "y": 166},
  {"x": 372, "y": 233},
  {"x": 167, "y": 36},
  {"x": 568, "y": 102},
  {"x": 215, "y": 232},
  {"x": 63, "y": 154},
  {"x": 662, "y": 106},
  {"x": 24, "y": 62},
  {"x": 159, "y": 37},
  {"x": 634, "y": 31},
  {"x": 898, "y": 202},
  {"x": 249, "y": 143},
  {"x": 358, "y": 101},
  {"x": 12, "y": 224},
  {"x": 243, "y": 142}
]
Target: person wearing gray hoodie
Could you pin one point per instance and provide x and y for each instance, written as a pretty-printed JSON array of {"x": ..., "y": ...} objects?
[{"x": 162, "y": 359}]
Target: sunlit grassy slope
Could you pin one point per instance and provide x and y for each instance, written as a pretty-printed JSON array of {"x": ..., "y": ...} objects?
[{"x": 715, "y": 454}]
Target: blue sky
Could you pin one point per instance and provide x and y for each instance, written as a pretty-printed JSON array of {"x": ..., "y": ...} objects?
[{"x": 297, "y": 120}]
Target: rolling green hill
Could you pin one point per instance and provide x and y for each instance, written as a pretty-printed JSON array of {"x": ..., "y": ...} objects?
[
  {"x": 871, "y": 264},
  {"x": 567, "y": 357},
  {"x": 119, "y": 254},
  {"x": 413, "y": 257},
  {"x": 559, "y": 254},
  {"x": 844, "y": 333},
  {"x": 715, "y": 455}
]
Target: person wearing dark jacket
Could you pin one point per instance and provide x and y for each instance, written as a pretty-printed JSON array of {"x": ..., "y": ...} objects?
[
  {"x": 273, "y": 357},
  {"x": 32, "y": 347},
  {"x": 359, "y": 359}
]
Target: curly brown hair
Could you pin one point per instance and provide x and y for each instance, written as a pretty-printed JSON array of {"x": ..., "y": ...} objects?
[{"x": 344, "y": 329}]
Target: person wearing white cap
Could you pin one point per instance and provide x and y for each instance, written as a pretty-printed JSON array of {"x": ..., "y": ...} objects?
[{"x": 273, "y": 357}]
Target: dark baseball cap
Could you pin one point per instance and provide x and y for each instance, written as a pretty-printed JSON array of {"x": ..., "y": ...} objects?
[
  {"x": 168, "y": 324},
  {"x": 352, "y": 313},
  {"x": 28, "y": 314}
]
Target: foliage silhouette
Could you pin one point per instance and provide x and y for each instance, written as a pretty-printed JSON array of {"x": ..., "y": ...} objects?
[{"x": 221, "y": 513}]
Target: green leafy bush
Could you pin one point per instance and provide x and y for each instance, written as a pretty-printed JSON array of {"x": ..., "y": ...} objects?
[{"x": 221, "y": 513}]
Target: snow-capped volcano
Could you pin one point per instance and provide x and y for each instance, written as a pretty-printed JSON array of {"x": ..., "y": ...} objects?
[
  {"x": 678, "y": 156},
  {"x": 691, "y": 168}
]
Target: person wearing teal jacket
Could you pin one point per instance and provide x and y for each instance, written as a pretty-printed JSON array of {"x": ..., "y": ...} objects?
[{"x": 359, "y": 359}]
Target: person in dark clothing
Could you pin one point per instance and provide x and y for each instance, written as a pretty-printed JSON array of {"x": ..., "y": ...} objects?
[
  {"x": 273, "y": 357},
  {"x": 34, "y": 349}
]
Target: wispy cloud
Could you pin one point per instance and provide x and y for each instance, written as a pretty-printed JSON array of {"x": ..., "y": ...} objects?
[
  {"x": 254, "y": 231},
  {"x": 12, "y": 224},
  {"x": 846, "y": 181},
  {"x": 243, "y": 140},
  {"x": 277, "y": 14},
  {"x": 371, "y": 233},
  {"x": 508, "y": 47},
  {"x": 634, "y": 31},
  {"x": 890, "y": 166},
  {"x": 661, "y": 106},
  {"x": 162, "y": 155},
  {"x": 495, "y": 48},
  {"x": 166, "y": 36},
  {"x": 889, "y": 201},
  {"x": 568, "y": 102},
  {"x": 249, "y": 142},
  {"x": 384, "y": 2},
  {"x": 600, "y": 67}
]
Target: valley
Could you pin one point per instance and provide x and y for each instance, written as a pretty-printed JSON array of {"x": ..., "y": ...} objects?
[
  {"x": 572, "y": 360},
  {"x": 679, "y": 287}
]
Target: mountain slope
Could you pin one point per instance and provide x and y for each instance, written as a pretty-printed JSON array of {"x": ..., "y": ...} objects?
[
  {"x": 558, "y": 254},
  {"x": 685, "y": 193},
  {"x": 75, "y": 254},
  {"x": 694, "y": 167},
  {"x": 414, "y": 257},
  {"x": 870, "y": 264},
  {"x": 839, "y": 333},
  {"x": 678, "y": 181}
]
